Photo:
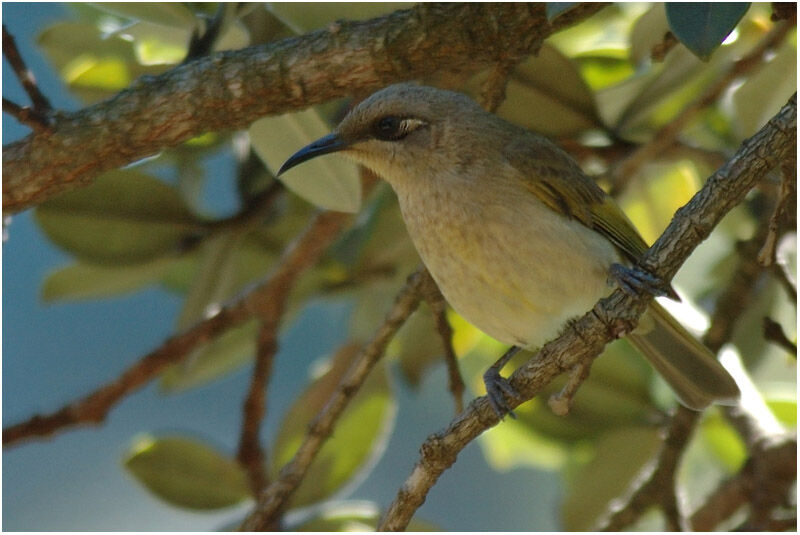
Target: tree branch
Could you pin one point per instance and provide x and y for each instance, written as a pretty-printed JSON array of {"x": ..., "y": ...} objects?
[
  {"x": 229, "y": 90},
  {"x": 94, "y": 408},
  {"x": 587, "y": 336},
  {"x": 275, "y": 498}
]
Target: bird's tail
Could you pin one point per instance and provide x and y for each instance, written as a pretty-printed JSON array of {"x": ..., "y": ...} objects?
[{"x": 688, "y": 366}]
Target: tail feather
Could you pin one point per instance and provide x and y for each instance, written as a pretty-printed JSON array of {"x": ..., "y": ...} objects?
[{"x": 688, "y": 366}]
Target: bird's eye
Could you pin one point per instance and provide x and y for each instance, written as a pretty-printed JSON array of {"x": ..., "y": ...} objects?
[{"x": 391, "y": 128}]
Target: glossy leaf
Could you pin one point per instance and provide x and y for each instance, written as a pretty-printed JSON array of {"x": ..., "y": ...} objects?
[
  {"x": 91, "y": 281},
  {"x": 724, "y": 441},
  {"x": 541, "y": 88},
  {"x": 172, "y": 14},
  {"x": 765, "y": 92},
  {"x": 360, "y": 433},
  {"x": 619, "y": 456},
  {"x": 227, "y": 352},
  {"x": 328, "y": 181},
  {"x": 93, "y": 65},
  {"x": 187, "y": 473},
  {"x": 124, "y": 217},
  {"x": 418, "y": 345},
  {"x": 703, "y": 26}
]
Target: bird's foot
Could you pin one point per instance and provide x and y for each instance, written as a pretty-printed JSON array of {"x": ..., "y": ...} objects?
[
  {"x": 633, "y": 280},
  {"x": 498, "y": 389}
]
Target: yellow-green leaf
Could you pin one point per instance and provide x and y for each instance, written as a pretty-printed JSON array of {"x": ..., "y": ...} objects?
[
  {"x": 124, "y": 217},
  {"x": 329, "y": 181},
  {"x": 187, "y": 473}
]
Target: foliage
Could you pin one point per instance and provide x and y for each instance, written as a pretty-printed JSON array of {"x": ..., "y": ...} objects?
[{"x": 592, "y": 87}]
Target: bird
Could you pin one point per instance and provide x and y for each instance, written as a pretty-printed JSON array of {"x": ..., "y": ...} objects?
[{"x": 516, "y": 236}]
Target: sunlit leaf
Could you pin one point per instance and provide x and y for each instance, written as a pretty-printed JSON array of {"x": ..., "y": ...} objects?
[
  {"x": 124, "y": 217},
  {"x": 765, "y": 92},
  {"x": 328, "y": 181},
  {"x": 702, "y": 26},
  {"x": 542, "y": 88},
  {"x": 724, "y": 441},
  {"x": 360, "y": 432},
  {"x": 172, "y": 14},
  {"x": 187, "y": 473},
  {"x": 95, "y": 66},
  {"x": 91, "y": 281},
  {"x": 619, "y": 456}
]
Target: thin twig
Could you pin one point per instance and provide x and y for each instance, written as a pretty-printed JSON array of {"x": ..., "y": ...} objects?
[
  {"x": 694, "y": 222},
  {"x": 25, "y": 115},
  {"x": 94, "y": 408},
  {"x": 40, "y": 103},
  {"x": 764, "y": 482},
  {"x": 668, "y": 133},
  {"x": 786, "y": 198},
  {"x": 274, "y": 499},
  {"x": 773, "y": 332},
  {"x": 455, "y": 383},
  {"x": 561, "y": 402},
  {"x": 250, "y": 453}
]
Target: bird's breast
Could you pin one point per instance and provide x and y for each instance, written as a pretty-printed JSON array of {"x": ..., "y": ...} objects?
[{"x": 506, "y": 262}]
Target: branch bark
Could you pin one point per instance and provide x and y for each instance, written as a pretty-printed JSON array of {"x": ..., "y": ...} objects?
[
  {"x": 775, "y": 142},
  {"x": 94, "y": 408},
  {"x": 229, "y": 90}
]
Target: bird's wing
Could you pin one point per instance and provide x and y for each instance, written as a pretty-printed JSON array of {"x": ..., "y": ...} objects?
[{"x": 557, "y": 180}]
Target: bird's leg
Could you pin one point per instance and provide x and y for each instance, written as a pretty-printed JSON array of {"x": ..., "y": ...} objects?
[
  {"x": 498, "y": 387},
  {"x": 634, "y": 280}
]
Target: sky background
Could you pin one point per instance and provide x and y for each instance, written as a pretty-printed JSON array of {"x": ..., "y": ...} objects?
[{"x": 53, "y": 354}]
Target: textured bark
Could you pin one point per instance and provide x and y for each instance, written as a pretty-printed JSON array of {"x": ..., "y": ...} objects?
[{"x": 230, "y": 90}]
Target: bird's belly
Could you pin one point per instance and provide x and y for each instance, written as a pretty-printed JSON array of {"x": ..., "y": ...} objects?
[{"x": 518, "y": 277}]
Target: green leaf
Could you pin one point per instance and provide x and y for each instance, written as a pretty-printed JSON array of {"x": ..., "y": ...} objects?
[
  {"x": 172, "y": 14},
  {"x": 542, "y": 88},
  {"x": 124, "y": 217},
  {"x": 94, "y": 66},
  {"x": 91, "y": 281},
  {"x": 418, "y": 345},
  {"x": 227, "y": 352},
  {"x": 329, "y": 182},
  {"x": 360, "y": 433},
  {"x": 765, "y": 92},
  {"x": 187, "y": 473},
  {"x": 619, "y": 456},
  {"x": 702, "y": 26},
  {"x": 724, "y": 441}
]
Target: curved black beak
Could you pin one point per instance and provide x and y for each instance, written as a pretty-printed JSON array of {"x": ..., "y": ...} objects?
[{"x": 324, "y": 145}]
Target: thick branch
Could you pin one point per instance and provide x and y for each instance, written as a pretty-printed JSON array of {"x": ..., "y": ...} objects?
[
  {"x": 586, "y": 337},
  {"x": 92, "y": 409},
  {"x": 230, "y": 90}
]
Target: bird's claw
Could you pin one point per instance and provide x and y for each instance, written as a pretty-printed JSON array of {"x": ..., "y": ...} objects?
[
  {"x": 497, "y": 390},
  {"x": 634, "y": 281}
]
